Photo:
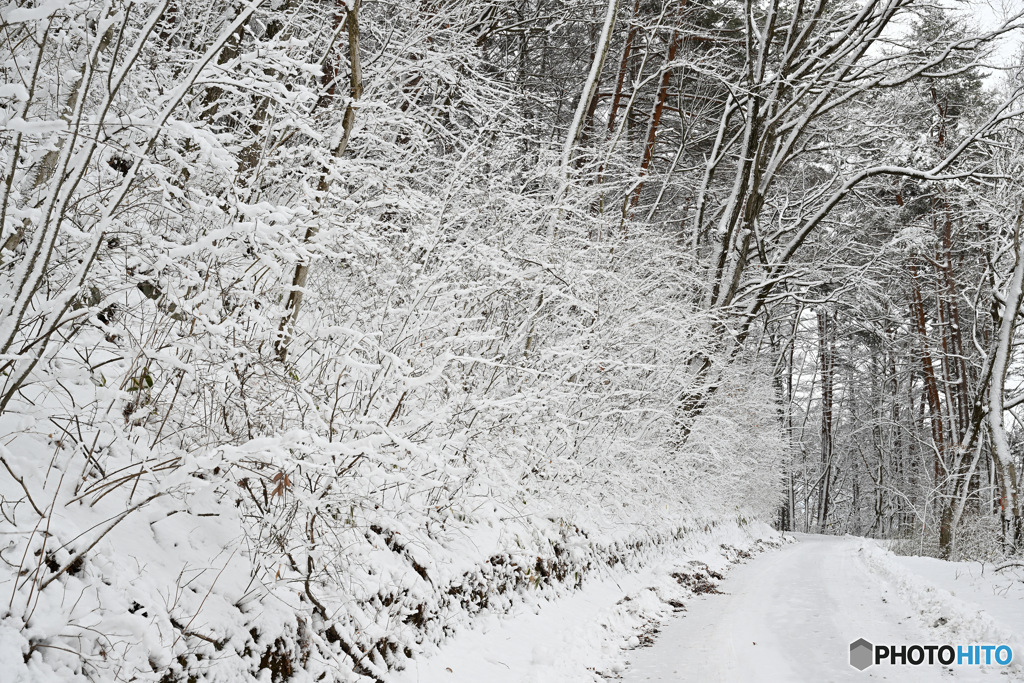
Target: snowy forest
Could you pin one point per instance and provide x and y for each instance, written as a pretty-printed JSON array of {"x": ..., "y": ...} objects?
[{"x": 327, "y": 326}]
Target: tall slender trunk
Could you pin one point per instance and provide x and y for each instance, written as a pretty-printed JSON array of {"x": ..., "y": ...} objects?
[
  {"x": 782, "y": 381},
  {"x": 589, "y": 87},
  {"x": 301, "y": 276},
  {"x": 931, "y": 384},
  {"x": 826, "y": 360},
  {"x": 623, "y": 69},
  {"x": 1003, "y": 456},
  {"x": 791, "y": 499},
  {"x": 659, "y": 108}
]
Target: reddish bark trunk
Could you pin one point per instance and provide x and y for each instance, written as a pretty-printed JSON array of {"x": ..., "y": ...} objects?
[
  {"x": 931, "y": 383},
  {"x": 659, "y": 107},
  {"x": 623, "y": 67}
]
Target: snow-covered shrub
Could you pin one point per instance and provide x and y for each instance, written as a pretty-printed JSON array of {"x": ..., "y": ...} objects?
[
  {"x": 481, "y": 393},
  {"x": 979, "y": 538}
]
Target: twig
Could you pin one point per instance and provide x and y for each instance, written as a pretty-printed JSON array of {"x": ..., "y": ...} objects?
[
  {"x": 21, "y": 481},
  {"x": 79, "y": 555}
]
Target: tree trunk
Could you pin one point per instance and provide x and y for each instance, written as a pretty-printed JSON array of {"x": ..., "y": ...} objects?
[
  {"x": 1001, "y": 452},
  {"x": 659, "y": 108},
  {"x": 301, "y": 275},
  {"x": 623, "y": 68},
  {"x": 931, "y": 383},
  {"x": 589, "y": 87},
  {"x": 826, "y": 360}
]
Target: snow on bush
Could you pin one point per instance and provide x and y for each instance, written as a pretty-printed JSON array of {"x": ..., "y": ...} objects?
[{"x": 484, "y": 393}]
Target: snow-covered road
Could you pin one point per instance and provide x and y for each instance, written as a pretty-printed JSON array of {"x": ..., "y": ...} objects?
[
  {"x": 790, "y": 615},
  {"x": 785, "y": 615}
]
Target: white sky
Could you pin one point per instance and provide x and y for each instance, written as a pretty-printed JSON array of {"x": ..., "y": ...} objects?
[{"x": 989, "y": 14}]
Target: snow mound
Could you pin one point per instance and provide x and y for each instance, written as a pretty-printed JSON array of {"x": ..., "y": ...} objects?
[{"x": 952, "y": 619}]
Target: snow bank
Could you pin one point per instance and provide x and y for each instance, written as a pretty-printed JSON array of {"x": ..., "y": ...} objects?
[
  {"x": 929, "y": 586},
  {"x": 586, "y": 635},
  {"x": 195, "y": 568}
]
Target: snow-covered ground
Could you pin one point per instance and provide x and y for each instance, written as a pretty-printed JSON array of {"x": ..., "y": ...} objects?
[
  {"x": 787, "y": 614},
  {"x": 1000, "y": 594},
  {"x": 791, "y": 616},
  {"x": 589, "y": 634}
]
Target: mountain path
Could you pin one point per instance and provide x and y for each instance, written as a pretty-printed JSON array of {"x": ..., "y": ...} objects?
[{"x": 790, "y": 615}]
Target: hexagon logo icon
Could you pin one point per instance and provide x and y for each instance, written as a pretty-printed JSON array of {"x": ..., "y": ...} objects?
[{"x": 861, "y": 652}]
